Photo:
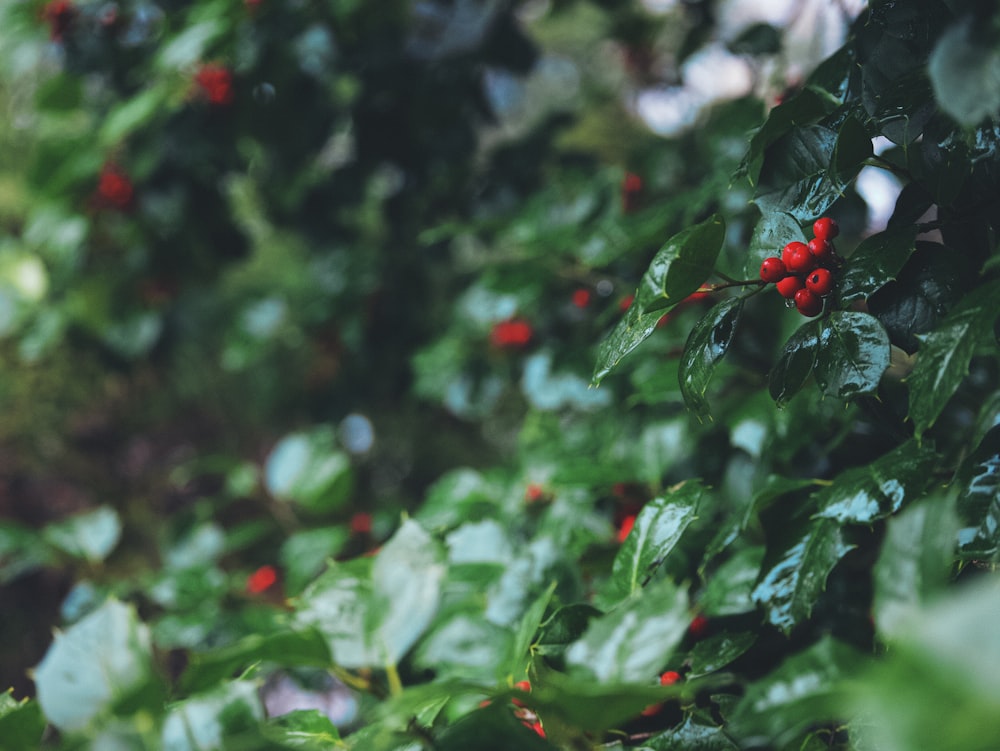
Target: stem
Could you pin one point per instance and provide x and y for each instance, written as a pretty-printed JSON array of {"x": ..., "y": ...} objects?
[
  {"x": 392, "y": 676},
  {"x": 883, "y": 163},
  {"x": 732, "y": 283}
]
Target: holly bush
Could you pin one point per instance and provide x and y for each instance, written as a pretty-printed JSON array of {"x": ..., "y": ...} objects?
[{"x": 376, "y": 378}]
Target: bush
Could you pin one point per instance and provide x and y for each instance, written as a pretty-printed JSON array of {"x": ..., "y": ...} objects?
[{"x": 304, "y": 305}]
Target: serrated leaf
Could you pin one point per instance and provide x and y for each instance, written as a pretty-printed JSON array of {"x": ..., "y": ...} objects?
[
  {"x": 945, "y": 353},
  {"x": 683, "y": 263},
  {"x": 729, "y": 589},
  {"x": 21, "y": 723},
  {"x": 979, "y": 500},
  {"x": 915, "y": 562},
  {"x": 309, "y": 469},
  {"x": 308, "y": 729},
  {"x": 706, "y": 345},
  {"x": 691, "y": 736},
  {"x": 100, "y": 660},
  {"x": 795, "y": 364},
  {"x": 91, "y": 535},
  {"x": 633, "y": 642},
  {"x": 795, "y": 570},
  {"x": 875, "y": 262},
  {"x": 658, "y": 528},
  {"x": 204, "y": 722},
  {"x": 795, "y": 177},
  {"x": 807, "y": 689},
  {"x": 853, "y": 354},
  {"x": 773, "y": 231},
  {"x": 862, "y": 495},
  {"x": 465, "y": 646}
]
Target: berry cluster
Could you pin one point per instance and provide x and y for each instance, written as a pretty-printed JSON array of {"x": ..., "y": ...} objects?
[
  {"x": 804, "y": 273},
  {"x": 216, "y": 83}
]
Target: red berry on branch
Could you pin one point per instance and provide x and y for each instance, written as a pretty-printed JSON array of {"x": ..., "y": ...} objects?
[
  {"x": 822, "y": 250},
  {"x": 800, "y": 260},
  {"x": 59, "y": 16},
  {"x": 698, "y": 626},
  {"x": 114, "y": 189},
  {"x": 788, "y": 286},
  {"x": 670, "y": 677},
  {"x": 581, "y": 297},
  {"x": 825, "y": 228},
  {"x": 361, "y": 523},
  {"x": 534, "y": 493},
  {"x": 820, "y": 282},
  {"x": 626, "y": 527},
  {"x": 262, "y": 580},
  {"x": 808, "y": 303},
  {"x": 786, "y": 252},
  {"x": 772, "y": 270},
  {"x": 216, "y": 83}
]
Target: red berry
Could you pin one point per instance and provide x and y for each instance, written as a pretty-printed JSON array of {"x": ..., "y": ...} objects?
[
  {"x": 216, "y": 83},
  {"x": 581, "y": 297},
  {"x": 670, "y": 678},
  {"x": 114, "y": 189},
  {"x": 261, "y": 580},
  {"x": 698, "y": 625},
  {"x": 361, "y": 523},
  {"x": 786, "y": 252},
  {"x": 788, "y": 286},
  {"x": 534, "y": 493},
  {"x": 808, "y": 303},
  {"x": 800, "y": 260},
  {"x": 825, "y": 228},
  {"x": 627, "y": 524},
  {"x": 512, "y": 334},
  {"x": 773, "y": 270},
  {"x": 820, "y": 282},
  {"x": 821, "y": 250},
  {"x": 626, "y": 302}
]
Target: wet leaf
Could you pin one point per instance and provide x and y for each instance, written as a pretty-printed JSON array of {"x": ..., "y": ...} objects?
[
  {"x": 729, "y": 589},
  {"x": 852, "y": 354},
  {"x": 874, "y": 491},
  {"x": 795, "y": 364},
  {"x": 875, "y": 262},
  {"x": 91, "y": 535},
  {"x": 706, "y": 345},
  {"x": 979, "y": 500},
  {"x": 205, "y": 721},
  {"x": 773, "y": 231},
  {"x": 795, "y": 569},
  {"x": 691, "y": 735},
  {"x": 795, "y": 177},
  {"x": 21, "y": 722},
  {"x": 715, "y": 652}
]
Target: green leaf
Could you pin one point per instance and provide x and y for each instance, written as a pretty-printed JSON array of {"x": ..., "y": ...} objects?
[
  {"x": 730, "y": 587},
  {"x": 304, "y": 553},
  {"x": 965, "y": 73},
  {"x": 915, "y": 562},
  {"x": 795, "y": 364},
  {"x": 564, "y": 627},
  {"x": 306, "y": 648},
  {"x": 658, "y": 528},
  {"x": 465, "y": 646},
  {"x": 21, "y": 723},
  {"x": 853, "y": 147},
  {"x": 372, "y": 618},
  {"x": 494, "y": 728},
  {"x": 101, "y": 660},
  {"x": 945, "y": 353},
  {"x": 852, "y": 355},
  {"x": 717, "y": 651},
  {"x": 526, "y": 631},
  {"x": 131, "y": 115},
  {"x": 307, "y": 729},
  {"x": 795, "y": 569},
  {"x": 691, "y": 735},
  {"x": 773, "y": 231},
  {"x": 679, "y": 268},
  {"x": 91, "y": 535},
  {"x": 979, "y": 500},
  {"x": 682, "y": 265},
  {"x": 206, "y": 721},
  {"x": 875, "y": 262},
  {"x": 862, "y": 495},
  {"x": 706, "y": 345},
  {"x": 22, "y": 550},
  {"x": 309, "y": 469},
  {"x": 633, "y": 642},
  {"x": 795, "y": 177},
  {"x": 807, "y": 689}
]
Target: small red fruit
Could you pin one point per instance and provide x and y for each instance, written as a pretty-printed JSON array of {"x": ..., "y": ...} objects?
[
  {"x": 773, "y": 270},
  {"x": 698, "y": 626},
  {"x": 626, "y": 302},
  {"x": 821, "y": 250},
  {"x": 627, "y": 524},
  {"x": 59, "y": 15},
  {"x": 216, "y": 83},
  {"x": 512, "y": 334},
  {"x": 631, "y": 188},
  {"x": 114, "y": 189},
  {"x": 820, "y": 282},
  {"x": 361, "y": 523},
  {"x": 524, "y": 686},
  {"x": 261, "y": 580},
  {"x": 788, "y": 286},
  {"x": 825, "y": 228},
  {"x": 808, "y": 303},
  {"x": 800, "y": 260},
  {"x": 534, "y": 493},
  {"x": 786, "y": 252},
  {"x": 670, "y": 678},
  {"x": 581, "y": 297}
]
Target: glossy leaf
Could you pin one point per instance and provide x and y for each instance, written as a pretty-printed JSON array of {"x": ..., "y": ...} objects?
[
  {"x": 915, "y": 562},
  {"x": 100, "y": 660},
  {"x": 979, "y": 500},
  {"x": 729, "y": 589},
  {"x": 21, "y": 723},
  {"x": 465, "y": 646},
  {"x": 205, "y": 722},
  {"x": 691, "y": 735},
  {"x": 852, "y": 354},
  {"x": 795, "y": 364},
  {"x": 795, "y": 569},
  {"x": 658, "y": 528},
  {"x": 564, "y": 627},
  {"x": 527, "y": 630},
  {"x": 22, "y": 550},
  {"x": 875, "y": 262},
  {"x": 773, "y": 231},
  {"x": 632, "y": 642},
  {"x": 679, "y": 268},
  {"x": 864, "y": 494},
  {"x": 965, "y": 73},
  {"x": 706, "y": 345},
  {"x": 491, "y": 729},
  {"x": 795, "y": 177},
  {"x": 716, "y": 652},
  {"x": 307, "y": 729},
  {"x": 309, "y": 469},
  {"x": 807, "y": 689},
  {"x": 853, "y": 147},
  {"x": 91, "y": 535},
  {"x": 945, "y": 353}
]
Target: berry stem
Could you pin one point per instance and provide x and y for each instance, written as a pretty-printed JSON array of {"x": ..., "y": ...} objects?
[{"x": 731, "y": 283}]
